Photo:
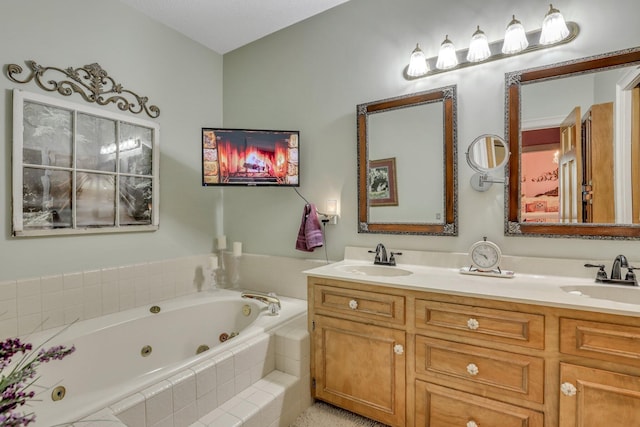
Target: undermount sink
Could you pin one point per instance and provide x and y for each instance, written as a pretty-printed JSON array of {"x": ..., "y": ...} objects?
[
  {"x": 629, "y": 295},
  {"x": 375, "y": 270}
]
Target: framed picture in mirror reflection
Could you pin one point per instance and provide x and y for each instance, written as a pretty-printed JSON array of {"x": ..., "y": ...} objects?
[{"x": 382, "y": 182}]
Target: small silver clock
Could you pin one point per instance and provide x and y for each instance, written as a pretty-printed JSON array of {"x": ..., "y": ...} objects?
[{"x": 485, "y": 255}]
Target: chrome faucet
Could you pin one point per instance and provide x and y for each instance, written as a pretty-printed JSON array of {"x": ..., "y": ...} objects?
[
  {"x": 619, "y": 262},
  {"x": 270, "y": 299},
  {"x": 381, "y": 256}
]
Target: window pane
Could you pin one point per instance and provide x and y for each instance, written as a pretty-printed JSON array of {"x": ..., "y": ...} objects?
[
  {"x": 135, "y": 200},
  {"x": 135, "y": 149},
  {"x": 96, "y": 143},
  {"x": 46, "y": 201},
  {"x": 47, "y": 138},
  {"x": 95, "y": 200}
]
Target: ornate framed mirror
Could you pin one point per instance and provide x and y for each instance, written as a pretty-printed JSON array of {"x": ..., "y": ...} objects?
[
  {"x": 574, "y": 133},
  {"x": 407, "y": 179}
]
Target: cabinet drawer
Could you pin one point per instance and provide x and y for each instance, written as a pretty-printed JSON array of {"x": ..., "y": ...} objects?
[
  {"x": 604, "y": 341},
  {"x": 441, "y": 406},
  {"x": 486, "y": 325},
  {"x": 360, "y": 304},
  {"x": 480, "y": 370}
]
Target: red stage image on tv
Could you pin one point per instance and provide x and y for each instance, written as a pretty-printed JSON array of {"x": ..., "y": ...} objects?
[{"x": 249, "y": 157}]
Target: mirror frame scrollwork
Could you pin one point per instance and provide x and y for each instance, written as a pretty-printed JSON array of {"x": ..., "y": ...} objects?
[
  {"x": 513, "y": 82},
  {"x": 449, "y": 227}
]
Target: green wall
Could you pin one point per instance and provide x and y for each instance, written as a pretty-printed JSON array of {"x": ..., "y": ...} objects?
[{"x": 180, "y": 76}]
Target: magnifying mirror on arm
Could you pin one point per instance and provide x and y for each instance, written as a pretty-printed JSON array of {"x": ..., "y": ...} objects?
[{"x": 487, "y": 154}]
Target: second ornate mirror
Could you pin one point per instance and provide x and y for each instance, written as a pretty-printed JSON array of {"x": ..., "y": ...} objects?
[
  {"x": 574, "y": 133},
  {"x": 407, "y": 164}
]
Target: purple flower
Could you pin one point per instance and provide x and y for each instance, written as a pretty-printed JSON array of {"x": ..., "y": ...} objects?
[{"x": 14, "y": 385}]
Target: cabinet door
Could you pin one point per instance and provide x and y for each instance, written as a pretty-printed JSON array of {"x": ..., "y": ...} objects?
[
  {"x": 360, "y": 368},
  {"x": 593, "y": 398}
]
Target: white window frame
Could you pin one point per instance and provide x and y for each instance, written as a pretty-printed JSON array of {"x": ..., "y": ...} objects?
[{"x": 18, "y": 230}]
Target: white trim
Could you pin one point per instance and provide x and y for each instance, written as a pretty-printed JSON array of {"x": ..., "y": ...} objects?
[
  {"x": 542, "y": 123},
  {"x": 19, "y": 97},
  {"x": 622, "y": 146},
  {"x": 18, "y": 130}
]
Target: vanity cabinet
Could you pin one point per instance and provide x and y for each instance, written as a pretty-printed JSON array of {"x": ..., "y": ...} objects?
[
  {"x": 590, "y": 395},
  {"x": 408, "y": 357},
  {"x": 475, "y": 364},
  {"x": 358, "y": 351}
]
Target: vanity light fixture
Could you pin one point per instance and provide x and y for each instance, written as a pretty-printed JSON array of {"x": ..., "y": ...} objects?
[
  {"x": 447, "y": 55},
  {"x": 418, "y": 65},
  {"x": 515, "y": 38},
  {"x": 478, "y": 47},
  {"x": 555, "y": 31}
]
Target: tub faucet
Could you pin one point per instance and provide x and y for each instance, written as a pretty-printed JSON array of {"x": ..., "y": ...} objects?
[{"x": 270, "y": 299}]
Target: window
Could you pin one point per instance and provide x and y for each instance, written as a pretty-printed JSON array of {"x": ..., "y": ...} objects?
[{"x": 79, "y": 169}]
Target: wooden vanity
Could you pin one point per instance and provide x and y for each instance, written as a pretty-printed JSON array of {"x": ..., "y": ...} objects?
[{"x": 410, "y": 357}]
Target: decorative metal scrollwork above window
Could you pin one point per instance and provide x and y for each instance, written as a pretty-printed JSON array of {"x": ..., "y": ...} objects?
[{"x": 91, "y": 82}]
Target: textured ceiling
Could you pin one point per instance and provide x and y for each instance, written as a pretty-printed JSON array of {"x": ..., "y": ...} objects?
[{"x": 225, "y": 25}]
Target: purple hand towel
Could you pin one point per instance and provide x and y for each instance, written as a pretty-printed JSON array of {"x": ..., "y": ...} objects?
[{"x": 310, "y": 233}]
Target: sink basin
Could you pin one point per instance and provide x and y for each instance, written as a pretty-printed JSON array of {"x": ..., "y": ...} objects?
[
  {"x": 375, "y": 270},
  {"x": 629, "y": 295}
]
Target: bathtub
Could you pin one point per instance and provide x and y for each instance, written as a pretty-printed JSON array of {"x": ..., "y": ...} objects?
[{"x": 122, "y": 353}]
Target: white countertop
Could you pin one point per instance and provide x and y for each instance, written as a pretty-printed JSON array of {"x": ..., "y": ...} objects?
[{"x": 525, "y": 288}]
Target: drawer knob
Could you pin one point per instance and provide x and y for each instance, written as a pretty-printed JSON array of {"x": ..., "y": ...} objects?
[
  {"x": 472, "y": 369},
  {"x": 568, "y": 389},
  {"x": 398, "y": 349},
  {"x": 472, "y": 424},
  {"x": 353, "y": 304},
  {"x": 473, "y": 324}
]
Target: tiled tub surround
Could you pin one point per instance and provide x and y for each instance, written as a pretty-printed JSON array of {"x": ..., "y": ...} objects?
[
  {"x": 261, "y": 383},
  {"x": 173, "y": 386},
  {"x": 40, "y": 303}
]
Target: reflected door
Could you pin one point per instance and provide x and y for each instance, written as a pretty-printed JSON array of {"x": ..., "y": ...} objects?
[
  {"x": 569, "y": 167},
  {"x": 635, "y": 153},
  {"x": 598, "y": 204}
]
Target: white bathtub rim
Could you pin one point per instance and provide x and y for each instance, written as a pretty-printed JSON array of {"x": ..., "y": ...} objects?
[{"x": 82, "y": 327}]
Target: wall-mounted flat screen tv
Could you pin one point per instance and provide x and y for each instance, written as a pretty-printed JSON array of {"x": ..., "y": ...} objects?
[{"x": 249, "y": 157}]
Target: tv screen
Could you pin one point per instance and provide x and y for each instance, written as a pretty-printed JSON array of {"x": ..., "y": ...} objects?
[{"x": 250, "y": 157}]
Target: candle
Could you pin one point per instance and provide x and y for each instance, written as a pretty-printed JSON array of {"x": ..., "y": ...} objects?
[
  {"x": 222, "y": 243},
  {"x": 213, "y": 262},
  {"x": 237, "y": 248}
]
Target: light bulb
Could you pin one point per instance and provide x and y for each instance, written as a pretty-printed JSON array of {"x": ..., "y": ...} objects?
[
  {"x": 447, "y": 55},
  {"x": 554, "y": 29},
  {"x": 418, "y": 65},
  {"x": 515, "y": 39},
  {"x": 479, "y": 47}
]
